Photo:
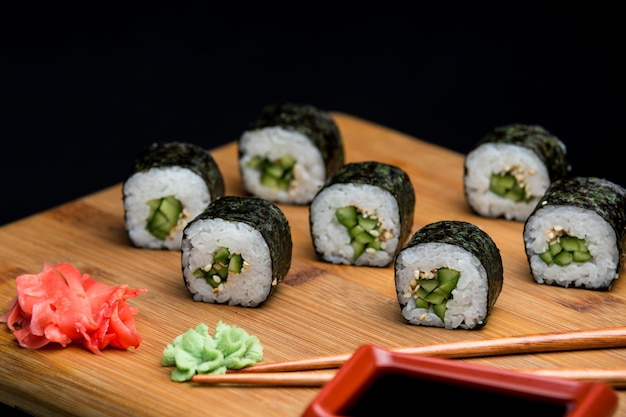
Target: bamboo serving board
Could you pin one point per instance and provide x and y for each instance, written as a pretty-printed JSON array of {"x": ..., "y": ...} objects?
[{"x": 319, "y": 309}]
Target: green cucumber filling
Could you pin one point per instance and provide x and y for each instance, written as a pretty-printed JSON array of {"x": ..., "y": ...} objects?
[
  {"x": 278, "y": 174},
  {"x": 434, "y": 289},
  {"x": 223, "y": 264},
  {"x": 564, "y": 249},
  {"x": 510, "y": 184},
  {"x": 363, "y": 228},
  {"x": 166, "y": 215}
]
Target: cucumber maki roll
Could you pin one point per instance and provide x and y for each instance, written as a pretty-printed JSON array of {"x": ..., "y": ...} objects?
[
  {"x": 448, "y": 275},
  {"x": 510, "y": 168},
  {"x": 576, "y": 235},
  {"x": 363, "y": 214},
  {"x": 169, "y": 184},
  {"x": 236, "y": 252},
  {"x": 288, "y": 153}
]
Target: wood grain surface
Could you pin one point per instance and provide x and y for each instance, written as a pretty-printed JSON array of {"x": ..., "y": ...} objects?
[{"x": 319, "y": 309}]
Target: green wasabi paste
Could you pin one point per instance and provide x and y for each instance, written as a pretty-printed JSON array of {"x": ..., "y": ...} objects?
[{"x": 197, "y": 352}]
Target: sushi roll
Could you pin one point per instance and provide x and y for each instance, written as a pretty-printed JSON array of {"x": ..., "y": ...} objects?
[
  {"x": 236, "y": 252},
  {"x": 448, "y": 275},
  {"x": 288, "y": 153},
  {"x": 363, "y": 214},
  {"x": 510, "y": 168},
  {"x": 576, "y": 235},
  {"x": 169, "y": 184}
]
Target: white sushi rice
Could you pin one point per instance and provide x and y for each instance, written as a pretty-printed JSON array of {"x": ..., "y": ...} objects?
[
  {"x": 202, "y": 239},
  {"x": 492, "y": 158},
  {"x": 184, "y": 184},
  {"x": 331, "y": 238},
  {"x": 273, "y": 143},
  {"x": 467, "y": 308},
  {"x": 585, "y": 224}
]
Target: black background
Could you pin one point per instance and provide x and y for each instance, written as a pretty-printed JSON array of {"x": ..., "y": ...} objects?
[{"x": 85, "y": 85}]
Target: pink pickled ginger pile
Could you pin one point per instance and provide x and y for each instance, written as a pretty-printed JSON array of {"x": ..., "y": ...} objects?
[{"x": 61, "y": 305}]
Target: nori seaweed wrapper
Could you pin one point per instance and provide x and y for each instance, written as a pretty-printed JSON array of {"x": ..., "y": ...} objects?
[
  {"x": 473, "y": 239},
  {"x": 263, "y": 216},
  {"x": 605, "y": 198},
  {"x": 550, "y": 150},
  {"x": 314, "y": 123},
  {"x": 185, "y": 155},
  {"x": 386, "y": 177}
]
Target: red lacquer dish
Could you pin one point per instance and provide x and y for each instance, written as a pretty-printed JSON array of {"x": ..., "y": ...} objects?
[{"x": 399, "y": 383}]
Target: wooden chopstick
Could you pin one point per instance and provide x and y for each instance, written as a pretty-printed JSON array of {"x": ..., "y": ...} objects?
[
  {"x": 615, "y": 377},
  {"x": 612, "y": 337},
  {"x": 281, "y": 379}
]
